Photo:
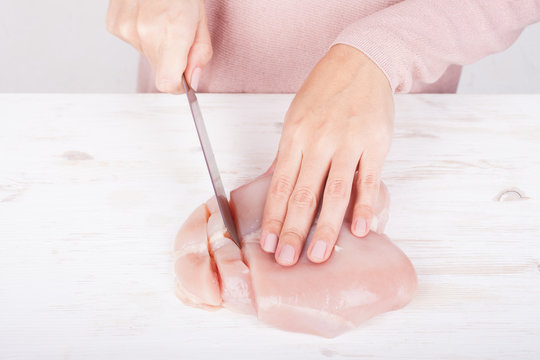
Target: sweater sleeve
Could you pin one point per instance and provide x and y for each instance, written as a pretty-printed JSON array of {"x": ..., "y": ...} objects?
[{"x": 417, "y": 40}]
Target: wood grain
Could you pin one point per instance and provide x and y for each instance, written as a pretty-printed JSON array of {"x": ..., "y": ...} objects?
[{"x": 94, "y": 187}]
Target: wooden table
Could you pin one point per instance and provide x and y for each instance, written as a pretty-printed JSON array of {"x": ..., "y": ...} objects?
[{"x": 94, "y": 187}]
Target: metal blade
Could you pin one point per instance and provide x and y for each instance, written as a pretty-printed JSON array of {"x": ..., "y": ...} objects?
[{"x": 211, "y": 164}]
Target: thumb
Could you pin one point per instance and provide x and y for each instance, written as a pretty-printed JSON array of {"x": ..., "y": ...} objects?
[{"x": 200, "y": 52}]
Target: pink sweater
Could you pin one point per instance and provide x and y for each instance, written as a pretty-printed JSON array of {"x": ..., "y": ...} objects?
[{"x": 270, "y": 46}]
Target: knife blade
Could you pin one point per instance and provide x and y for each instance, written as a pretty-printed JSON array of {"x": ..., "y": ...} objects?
[{"x": 211, "y": 163}]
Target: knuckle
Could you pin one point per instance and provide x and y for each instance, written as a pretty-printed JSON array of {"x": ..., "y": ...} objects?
[
  {"x": 370, "y": 180},
  {"x": 273, "y": 224},
  {"x": 384, "y": 134},
  {"x": 173, "y": 14},
  {"x": 282, "y": 188},
  {"x": 203, "y": 51},
  {"x": 296, "y": 127},
  {"x": 321, "y": 145},
  {"x": 145, "y": 29},
  {"x": 293, "y": 236},
  {"x": 126, "y": 30},
  {"x": 288, "y": 136},
  {"x": 166, "y": 85},
  {"x": 381, "y": 140},
  {"x": 303, "y": 197},
  {"x": 327, "y": 230},
  {"x": 206, "y": 51},
  {"x": 337, "y": 189},
  {"x": 174, "y": 30},
  {"x": 352, "y": 147}
]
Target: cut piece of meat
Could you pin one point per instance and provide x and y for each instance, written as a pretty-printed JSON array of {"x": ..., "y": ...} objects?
[
  {"x": 362, "y": 278},
  {"x": 236, "y": 290},
  {"x": 197, "y": 281}
]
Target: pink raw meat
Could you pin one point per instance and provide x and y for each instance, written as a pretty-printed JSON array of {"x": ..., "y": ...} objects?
[{"x": 363, "y": 277}]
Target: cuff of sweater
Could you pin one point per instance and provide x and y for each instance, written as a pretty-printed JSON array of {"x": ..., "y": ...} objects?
[{"x": 383, "y": 48}]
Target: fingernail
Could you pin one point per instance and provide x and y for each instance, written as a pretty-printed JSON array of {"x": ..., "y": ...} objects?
[
  {"x": 286, "y": 256},
  {"x": 318, "y": 250},
  {"x": 270, "y": 243},
  {"x": 360, "y": 226},
  {"x": 195, "y": 77}
]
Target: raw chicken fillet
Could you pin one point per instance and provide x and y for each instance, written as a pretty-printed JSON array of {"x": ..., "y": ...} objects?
[{"x": 362, "y": 278}]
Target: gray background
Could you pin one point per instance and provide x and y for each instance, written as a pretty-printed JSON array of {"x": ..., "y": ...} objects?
[{"x": 63, "y": 46}]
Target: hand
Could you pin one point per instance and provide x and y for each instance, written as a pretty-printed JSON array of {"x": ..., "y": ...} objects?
[
  {"x": 172, "y": 34},
  {"x": 340, "y": 121}
]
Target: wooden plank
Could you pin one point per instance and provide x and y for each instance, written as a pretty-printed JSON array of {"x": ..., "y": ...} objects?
[{"x": 94, "y": 187}]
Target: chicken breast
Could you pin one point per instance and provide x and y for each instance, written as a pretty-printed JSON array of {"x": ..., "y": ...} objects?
[{"x": 363, "y": 277}]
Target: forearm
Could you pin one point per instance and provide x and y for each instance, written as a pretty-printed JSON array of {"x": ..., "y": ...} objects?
[{"x": 416, "y": 40}]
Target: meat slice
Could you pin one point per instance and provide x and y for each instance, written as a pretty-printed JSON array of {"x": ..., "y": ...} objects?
[
  {"x": 197, "y": 281},
  {"x": 362, "y": 278},
  {"x": 236, "y": 290}
]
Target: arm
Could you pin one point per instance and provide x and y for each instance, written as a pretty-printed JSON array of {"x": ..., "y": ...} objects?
[{"x": 416, "y": 40}]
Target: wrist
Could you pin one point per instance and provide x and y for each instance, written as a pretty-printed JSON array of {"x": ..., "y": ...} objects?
[{"x": 357, "y": 63}]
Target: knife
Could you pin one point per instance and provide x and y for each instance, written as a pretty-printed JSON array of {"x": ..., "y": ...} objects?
[{"x": 211, "y": 163}]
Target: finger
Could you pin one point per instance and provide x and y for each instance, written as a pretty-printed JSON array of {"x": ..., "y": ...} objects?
[
  {"x": 170, "y": 65},
  {"x": 112, "y": 15},
  {"x": 121, "y": 22},
  {"x": 301, "y": 209},
  {"x": 337, "y": 193},
  {"x": 166, "y": 41},
  {"x": 200, "y": 52},
  {"x": 367, "y": 190},
  {"x": 282, "y": 184}
]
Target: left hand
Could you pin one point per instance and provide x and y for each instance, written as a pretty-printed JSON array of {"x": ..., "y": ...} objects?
[{"x": 340, "y": 121}]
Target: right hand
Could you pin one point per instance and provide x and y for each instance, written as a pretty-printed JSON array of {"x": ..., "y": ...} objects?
[{"x": 172, "y": 34}]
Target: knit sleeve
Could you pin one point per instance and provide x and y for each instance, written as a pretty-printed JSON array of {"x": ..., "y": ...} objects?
[{"x": 417, "y": 40}]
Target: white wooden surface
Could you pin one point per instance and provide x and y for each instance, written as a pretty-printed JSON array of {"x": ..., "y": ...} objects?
[{"x": 94, "y": 187}]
